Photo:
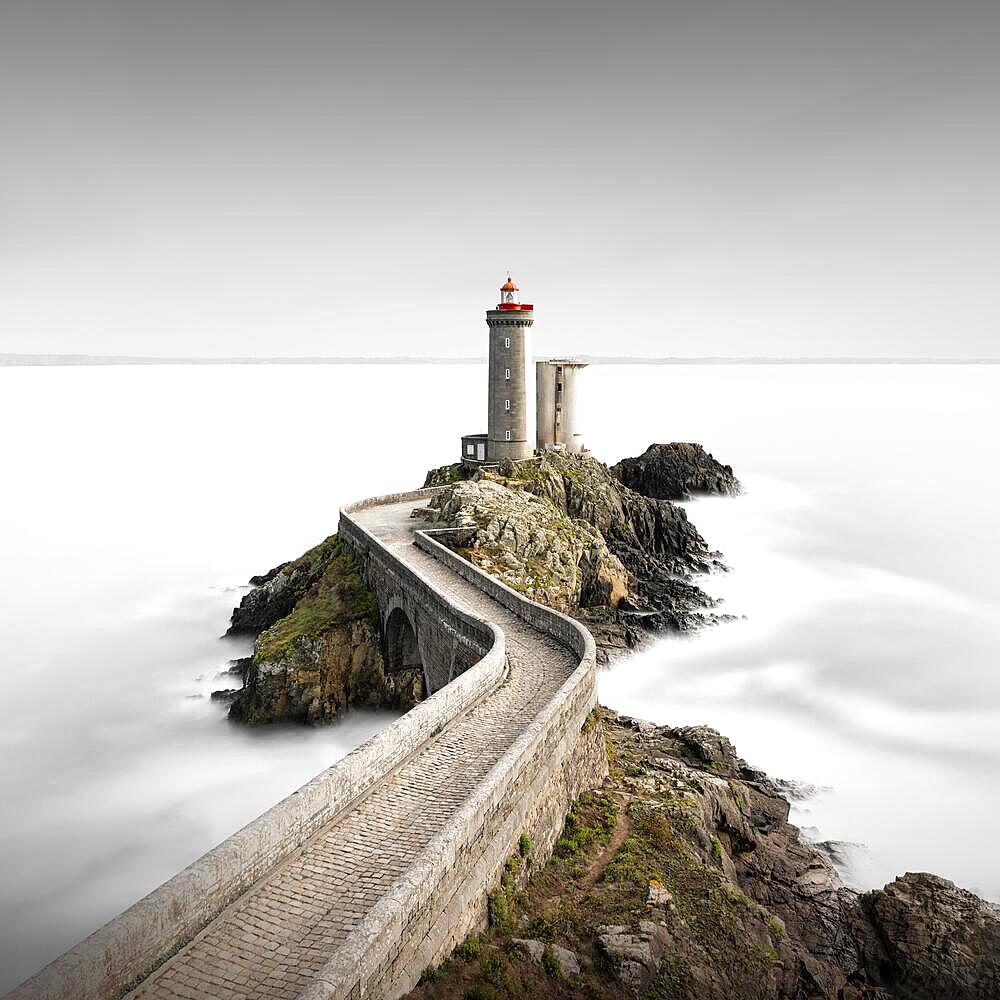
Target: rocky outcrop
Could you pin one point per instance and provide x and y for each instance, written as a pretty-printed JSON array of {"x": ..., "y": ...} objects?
[
  {"x": 675, "y": 472},
  {"x": 276, "y": 592},
  {"x": 935, "y": 936},
  {"x": 638, "y": 528},
  {"x": 317, "y": 652},
  {"x": 445, "y": 475},
  {"x": 316, "y": 678},
  {"x": 533, "y": 546},
  {"x": 651, "y": 540},
  {"x": 682, "y": 878}
]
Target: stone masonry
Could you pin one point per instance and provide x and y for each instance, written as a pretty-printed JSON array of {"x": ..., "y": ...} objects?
[{"x": 400, "y": 874}]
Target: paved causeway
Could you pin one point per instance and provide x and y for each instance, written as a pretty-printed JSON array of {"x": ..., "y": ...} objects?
[{"x": 272, "y": 940}]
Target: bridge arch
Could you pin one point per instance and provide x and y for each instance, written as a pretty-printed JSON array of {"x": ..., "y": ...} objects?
[{"x": 402, "y": 650}]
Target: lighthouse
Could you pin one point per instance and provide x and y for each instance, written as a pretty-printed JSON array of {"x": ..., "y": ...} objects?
[
  {"x": 509, "y": 401},
  {"x": 507, "y": 418}
]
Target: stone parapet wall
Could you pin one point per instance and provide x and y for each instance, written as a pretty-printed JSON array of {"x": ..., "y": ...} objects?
[
  {"x": 567, "y": 630},
  {"x": 451, "y": 640},
  {"x": 128, "y": 948},
  {"x": 390, "y": 498},
  {"x": 443, "y": 897}
]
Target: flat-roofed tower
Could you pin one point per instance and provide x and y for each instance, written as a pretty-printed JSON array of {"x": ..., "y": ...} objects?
[
  {"x": 556, "y": 421},
  {"x": 510, "y": 332}
]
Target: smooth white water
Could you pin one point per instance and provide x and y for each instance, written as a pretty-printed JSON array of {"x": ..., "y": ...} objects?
[{"x": 136, "y": 502}]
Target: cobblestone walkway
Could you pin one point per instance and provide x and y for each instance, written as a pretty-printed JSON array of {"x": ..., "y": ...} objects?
[{"x": 271, "y": 941}]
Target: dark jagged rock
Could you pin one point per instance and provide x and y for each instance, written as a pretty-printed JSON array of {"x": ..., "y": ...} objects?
[
  {"x": 652, "y": 539},
  {"x": 276, "y": 593},
  {"x": 257, "y": 581},
  {"x": 236, "y": 668},
  {"x": 638, "y": 529},
  {"x": 532, "y": 545},
  {"x": 675, "y": 472},
  {"x": 939, "y": 940},
  {"x": 317, "y": 652},
  {"x": 445, "y": 475},
  {"x": 683, "y": 879}
]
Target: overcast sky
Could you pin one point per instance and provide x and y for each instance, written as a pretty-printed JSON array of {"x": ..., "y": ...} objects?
[{"x": 239, "y": 177}]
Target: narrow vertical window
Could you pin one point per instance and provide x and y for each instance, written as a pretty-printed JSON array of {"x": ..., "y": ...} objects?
[
  {"x": 506, "y": 404},
  {"x": 506, "y": 342},
  {"x": 507, "y": 435},
  {"x": 508, "y": 374}
]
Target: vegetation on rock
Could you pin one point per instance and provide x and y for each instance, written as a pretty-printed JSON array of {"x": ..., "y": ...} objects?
[
  {"x": 445, "y": 475},
  {"x": 682, "y": 879},
  {"x": 619, "y": 561},
  {"x": 276, "y": 592},
  {"x": 336, "y": 596},
  {"x": 533, "y": 546},
  {"x": 321, "y": 655}
]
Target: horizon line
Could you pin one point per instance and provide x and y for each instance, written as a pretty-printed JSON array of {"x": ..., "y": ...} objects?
[{"x": 13, "y": 360}]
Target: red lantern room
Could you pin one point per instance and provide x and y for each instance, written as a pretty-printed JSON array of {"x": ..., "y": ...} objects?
[{"x": 509, "y": 296}]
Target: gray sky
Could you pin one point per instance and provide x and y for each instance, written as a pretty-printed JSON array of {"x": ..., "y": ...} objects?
[{"x": 220, "y": 177}]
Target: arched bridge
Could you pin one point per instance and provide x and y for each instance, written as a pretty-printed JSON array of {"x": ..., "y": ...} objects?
[{"x": 381, "y": 864}]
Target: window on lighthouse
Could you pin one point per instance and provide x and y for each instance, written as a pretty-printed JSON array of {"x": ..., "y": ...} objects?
[
  {"x": 506, "y": 404},
  {"x": 507, "y": 374}
]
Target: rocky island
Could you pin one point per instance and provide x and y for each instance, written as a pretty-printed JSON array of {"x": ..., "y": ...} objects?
[
  {"x": 562, "y": 529},
  {"x": 679, "y": 878}
]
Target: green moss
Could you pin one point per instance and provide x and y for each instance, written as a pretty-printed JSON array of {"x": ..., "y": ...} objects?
[
  {"x": 715, "y": 913},
  {"x": 672, "y": 981},
  {"x": 499, "y": 911},
  {"x": 510, "y": 869},
  {"x": 493, "y": 968},
  {"x": 765, "y": 957},
  {"x": 471, "y": 947},
  {"x": 578, "y": 833},
  {"x": 445, "y": 475},
  {"x": 718, "y": 852},
  {"x": 736, "y": 795},
  {"x": 524, "y": 845},
  {"x": 550, "y": 963},
  {"x": 544, "y": 926},
  {"x": 478, "y": 993},
  {"x": 339, "y": 596}
]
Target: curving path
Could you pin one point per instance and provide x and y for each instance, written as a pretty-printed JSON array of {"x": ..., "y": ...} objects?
[{"x": 274, "y": 939}]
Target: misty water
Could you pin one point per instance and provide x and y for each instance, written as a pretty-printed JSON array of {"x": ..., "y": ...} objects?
[{"x": 137, "y": 501}]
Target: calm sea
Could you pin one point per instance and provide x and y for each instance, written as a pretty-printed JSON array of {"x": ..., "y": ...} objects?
[{"x": 136, "y": 501}]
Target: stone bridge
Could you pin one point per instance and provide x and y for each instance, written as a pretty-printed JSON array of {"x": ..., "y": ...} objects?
[{"x": 381, "y": 865}]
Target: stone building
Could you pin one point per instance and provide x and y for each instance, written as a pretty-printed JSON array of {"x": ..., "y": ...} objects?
[
  {"x": 508, "y": 405},
  {"x": 510, "y": 339},
  {"x": 556, "y": 419}
]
